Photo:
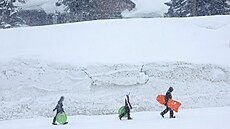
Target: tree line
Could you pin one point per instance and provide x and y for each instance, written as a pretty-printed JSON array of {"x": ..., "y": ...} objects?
[{"x": 85, "y": 10}]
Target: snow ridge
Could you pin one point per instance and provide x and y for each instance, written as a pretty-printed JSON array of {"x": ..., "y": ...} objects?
[{"x": 30, "y": 88}]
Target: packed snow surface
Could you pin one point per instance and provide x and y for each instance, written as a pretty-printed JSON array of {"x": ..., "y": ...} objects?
[
  {"x": 94, "y": 64},
  {"x": 32, "y": 88},
  {"x": 210, "y": 118},
  {"x": 196, "y": 40}
]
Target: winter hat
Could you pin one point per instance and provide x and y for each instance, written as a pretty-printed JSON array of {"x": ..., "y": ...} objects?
[
  {"x": 62, "y": 98},
  {"x": 170, "y": 89}
]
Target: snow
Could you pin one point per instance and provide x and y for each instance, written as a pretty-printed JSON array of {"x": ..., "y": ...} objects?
[
  {"x": 207, "y": 118},
  {"x": 200, "y": 40},
  {"x": 31, "y": 88},
  {"x": 147, "y": 8},
  {"x": 49, "y": 6},
  {"x": 93, "y": 64},
  {"x": 228, "y": 2}
]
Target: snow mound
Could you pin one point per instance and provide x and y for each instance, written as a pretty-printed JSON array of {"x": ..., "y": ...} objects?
[
  {"x": 31, "y": 88},
  {"x": 94, "y": 64},
  {"x": 202, "y": 40}
]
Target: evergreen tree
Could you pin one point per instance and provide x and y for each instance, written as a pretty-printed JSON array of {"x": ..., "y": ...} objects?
[
  {"x": 186, "y": 8},
  {"x": 80, "y": 10},
  {"x": 178, "y": 8},
  {"x": 8, "y": 14},
  {"x": 84, "y": 10},
  {"x": 211, "y": 7}
]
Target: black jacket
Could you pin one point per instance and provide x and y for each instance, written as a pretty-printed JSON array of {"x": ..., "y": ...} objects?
[
  {"x": 59, "y": 107},
  {"x": 127, "y": 103},
  {"x": 168, "y": 96}
]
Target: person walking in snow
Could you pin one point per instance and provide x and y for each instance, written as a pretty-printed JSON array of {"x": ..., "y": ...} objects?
[
  {"x": 167, "y": 97},
  {"x": 128, "y": 106},
  {"x": 59, "y": 108}
]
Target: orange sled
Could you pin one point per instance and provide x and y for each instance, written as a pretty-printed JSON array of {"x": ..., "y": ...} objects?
[{"x": 173, "y": 104}]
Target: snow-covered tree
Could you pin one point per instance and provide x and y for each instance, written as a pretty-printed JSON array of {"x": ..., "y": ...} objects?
[
  {"x": 82, "y": 10},
  {"x": 178, "y": 8},
  {"x": 8, "y": 14},
  {"x": 212, "y": 7},
  {"x": 186, "y": 8}
]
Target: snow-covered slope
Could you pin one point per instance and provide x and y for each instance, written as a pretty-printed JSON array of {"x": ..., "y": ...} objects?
[
  {"x": 213, "y": 118},
  {"x": 32, "y": 88},
  {"x": 195, "y": 40},
  {"x": 93, "y": 64}
]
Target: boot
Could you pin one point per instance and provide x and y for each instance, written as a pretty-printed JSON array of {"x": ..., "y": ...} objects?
[
  {"x": 162, "y": 114},
  {"x": 54, "y": 123},
  {"x": 120, "y": 117},
  {"x": 129, "y": 118},
  {"x": 65, "y": 123},
  {"x": 172, "y": 117},
  {"x": 171, "y": 114}
]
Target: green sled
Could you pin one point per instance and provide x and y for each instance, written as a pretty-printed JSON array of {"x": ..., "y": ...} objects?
[
  {"x": 61, "y": 118},
  {"x": 122, "y": 110}
]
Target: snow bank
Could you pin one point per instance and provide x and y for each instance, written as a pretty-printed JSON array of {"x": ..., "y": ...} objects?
[
  {"x": 31, "y": 88},
  {"x": 197, "y": 40},
  {"x": 93, "y": 64}
]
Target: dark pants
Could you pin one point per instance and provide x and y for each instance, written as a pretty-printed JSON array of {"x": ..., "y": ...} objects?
[
  {"x": 166, "y": 110},
  {"x": 54, "y": 119},
  {"x": 127, "y": 111}
]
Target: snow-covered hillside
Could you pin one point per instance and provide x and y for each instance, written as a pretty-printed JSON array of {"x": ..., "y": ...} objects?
[
  {"x": 196, "y": 40},
  {"x": 31, "y": 88},
  {"x": 213, "y": 118},
  {"x": 93, "y": 64}
]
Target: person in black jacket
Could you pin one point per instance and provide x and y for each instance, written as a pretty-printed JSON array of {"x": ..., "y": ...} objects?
[
  {"x": 59, "y": 109},
  {"x": 167, "y": 97},
  {"x": 128, "y": 106}
]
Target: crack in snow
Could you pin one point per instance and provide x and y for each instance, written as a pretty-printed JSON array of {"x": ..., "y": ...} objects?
[{"x": 87, "y": 74}]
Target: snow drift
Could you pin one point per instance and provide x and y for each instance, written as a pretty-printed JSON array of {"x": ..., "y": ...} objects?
[
  {"x": 31, "y": 88},
  {"x": 93, "y": 64}
]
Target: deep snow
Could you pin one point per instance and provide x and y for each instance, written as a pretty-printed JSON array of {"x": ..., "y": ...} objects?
[
  {"x": 92, "y": 62},
  {"x": 210, "y": 118},
  {"x": 31, "y": 88},
  {"x": 203, "y": 40}
]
